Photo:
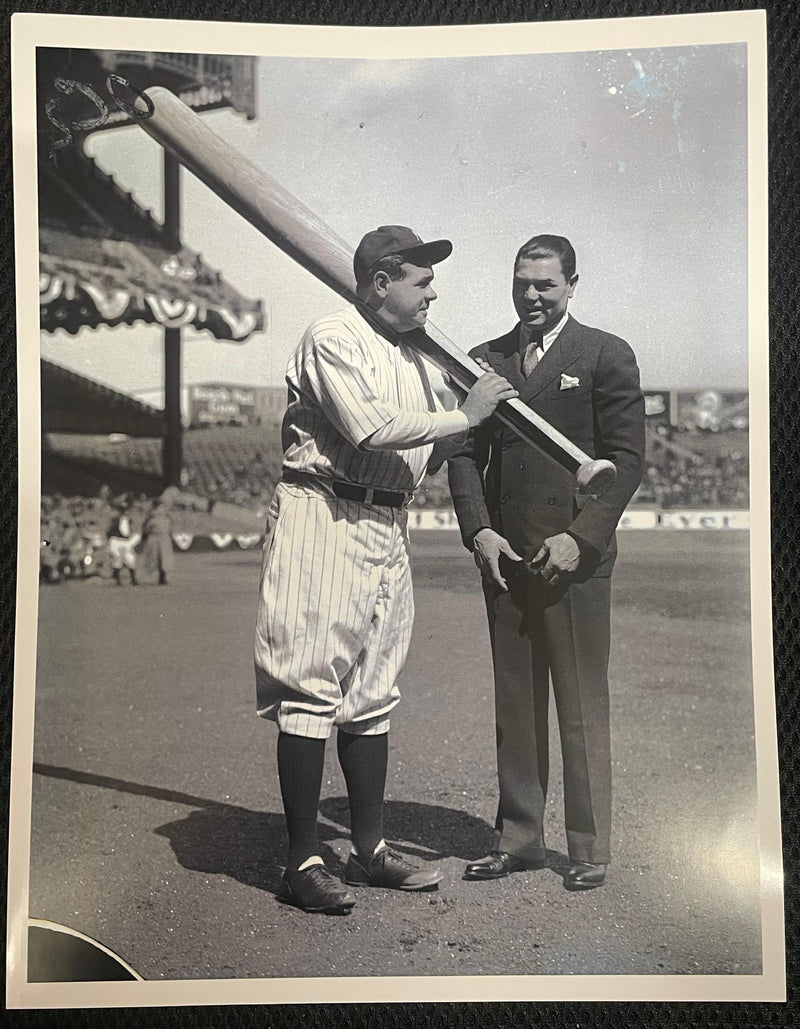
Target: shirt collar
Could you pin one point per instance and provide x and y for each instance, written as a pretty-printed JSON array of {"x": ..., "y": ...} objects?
[{"x": 549, "y": 337}]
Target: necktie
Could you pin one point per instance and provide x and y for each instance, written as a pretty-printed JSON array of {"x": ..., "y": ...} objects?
[{"x": 532, "y": 356}]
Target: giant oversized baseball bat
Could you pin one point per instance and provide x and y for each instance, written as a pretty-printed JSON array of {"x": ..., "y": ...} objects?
[{"x": 282, "y": 218}]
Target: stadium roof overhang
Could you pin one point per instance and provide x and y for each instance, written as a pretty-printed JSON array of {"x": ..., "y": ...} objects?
[
  {"x": 73, "y": 403},
  {"x": 75, "y": 82},
  {"x": 103, "y": 260}
]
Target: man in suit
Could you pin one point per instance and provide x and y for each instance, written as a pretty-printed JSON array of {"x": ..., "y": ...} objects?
[{"x": 546, "y": 557}]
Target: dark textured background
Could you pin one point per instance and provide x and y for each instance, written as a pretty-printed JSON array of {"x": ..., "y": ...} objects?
[{"x": 784, "y": 129}]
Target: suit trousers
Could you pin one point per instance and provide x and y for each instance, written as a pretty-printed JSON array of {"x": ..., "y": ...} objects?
[{"x": 539, "y": 632}]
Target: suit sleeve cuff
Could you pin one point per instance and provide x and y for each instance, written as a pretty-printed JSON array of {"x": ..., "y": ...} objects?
[
  {"x": 587, "y": 550},
  {"x": 470, "y": 541}
]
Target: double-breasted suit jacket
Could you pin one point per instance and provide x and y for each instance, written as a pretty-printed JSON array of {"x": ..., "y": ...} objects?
[{"x": 587, "y": 386}]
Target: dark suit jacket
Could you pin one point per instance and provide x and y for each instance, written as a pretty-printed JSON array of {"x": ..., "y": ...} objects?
[{"x": 498, "y": 480}]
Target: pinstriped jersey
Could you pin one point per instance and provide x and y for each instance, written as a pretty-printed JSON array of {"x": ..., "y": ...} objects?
[{"x": 358, "y": 409}]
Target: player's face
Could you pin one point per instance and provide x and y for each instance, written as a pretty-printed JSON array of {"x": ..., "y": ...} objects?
[
  {"x": 406, "y": 301},
  {"x": 541, "y": 292}
]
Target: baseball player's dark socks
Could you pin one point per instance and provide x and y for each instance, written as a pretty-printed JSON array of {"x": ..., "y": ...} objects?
[
  {"x": 364, "y": 760},
  {"x": 300, "y": 763}
]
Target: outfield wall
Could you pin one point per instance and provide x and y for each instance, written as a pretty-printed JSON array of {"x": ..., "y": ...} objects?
[
  {"x": 631, "y": 519},
  {"x": 445, "y": 518}
]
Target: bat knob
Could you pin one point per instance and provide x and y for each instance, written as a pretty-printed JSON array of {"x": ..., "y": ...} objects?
[{"x": 594, "y": 477}]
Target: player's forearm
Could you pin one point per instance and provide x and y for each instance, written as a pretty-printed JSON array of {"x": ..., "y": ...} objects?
[{"x": 416, "y": 429}]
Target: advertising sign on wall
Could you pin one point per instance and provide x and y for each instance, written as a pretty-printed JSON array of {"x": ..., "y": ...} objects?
[{"x": 217, "y": 404}]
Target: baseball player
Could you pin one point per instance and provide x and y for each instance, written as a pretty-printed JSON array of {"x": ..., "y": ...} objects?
[{"x": 336, "y": 605}]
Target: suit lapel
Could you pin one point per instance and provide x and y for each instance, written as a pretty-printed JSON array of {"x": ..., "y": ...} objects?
[
  {"x": 504, "y": 356},
  {"x": 566, "y": 349}
]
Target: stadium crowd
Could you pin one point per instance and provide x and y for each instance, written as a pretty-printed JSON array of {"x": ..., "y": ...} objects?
[
  {"x": 108, "y": 536},
  {"x": 248, "y": 483},
  {"x": 685, "y": 468},
  {"x": 691, "y": 468}
]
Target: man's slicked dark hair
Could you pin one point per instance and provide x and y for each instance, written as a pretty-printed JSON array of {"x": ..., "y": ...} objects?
[{"x": 546, "y": 245}]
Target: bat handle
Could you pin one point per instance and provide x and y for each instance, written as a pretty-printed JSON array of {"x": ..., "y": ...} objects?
[{"x": 594, "y": 477}]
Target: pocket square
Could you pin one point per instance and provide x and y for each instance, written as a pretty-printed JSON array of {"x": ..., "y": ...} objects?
[{"x": 569, "y": 381}]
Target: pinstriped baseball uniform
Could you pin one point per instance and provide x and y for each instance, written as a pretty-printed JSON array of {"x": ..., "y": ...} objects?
[{"x": 336, "y": 604}]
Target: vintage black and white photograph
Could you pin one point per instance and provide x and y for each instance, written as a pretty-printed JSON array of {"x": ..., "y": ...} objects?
[{"x": 394, "y": 514}]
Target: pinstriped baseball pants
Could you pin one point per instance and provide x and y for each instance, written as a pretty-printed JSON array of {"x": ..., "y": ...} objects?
[{"x": 335, "y": 613}]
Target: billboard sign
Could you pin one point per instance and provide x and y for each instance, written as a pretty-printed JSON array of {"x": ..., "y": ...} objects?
[
  {"x": 656, "y": 405},
  {"x": 218, "y": 404},
  {"x": 714, "y": 410}
]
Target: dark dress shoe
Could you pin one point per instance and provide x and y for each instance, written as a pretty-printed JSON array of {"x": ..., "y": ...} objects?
[
  {"x": 315, "y": 890},
  {"x": 497, "y": 865},
  {"x": 584, "y": 876}
]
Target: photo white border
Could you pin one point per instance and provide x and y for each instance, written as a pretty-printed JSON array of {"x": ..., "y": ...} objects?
[{"x": 45, "y": 30}]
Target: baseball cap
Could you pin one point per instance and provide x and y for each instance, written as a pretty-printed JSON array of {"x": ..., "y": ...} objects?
[{"x": 397, "y": 239}]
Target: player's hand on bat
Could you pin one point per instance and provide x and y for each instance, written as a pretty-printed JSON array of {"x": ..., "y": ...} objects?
[
  {"x": 558, "y": 556},
  {"x": 454, "y": 387},
  {"x": 488, "y": 545},
  {"x": 486, "y": 394}
]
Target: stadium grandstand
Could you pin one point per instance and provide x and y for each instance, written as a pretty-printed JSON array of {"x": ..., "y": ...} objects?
[
  {"x": 697, "y": 460},
  {"x": 212, "y": 449},
  {"x": 106, "y": 261}
]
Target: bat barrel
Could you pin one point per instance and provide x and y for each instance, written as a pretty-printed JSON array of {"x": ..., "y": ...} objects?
[{"x": 251, "y": 192}]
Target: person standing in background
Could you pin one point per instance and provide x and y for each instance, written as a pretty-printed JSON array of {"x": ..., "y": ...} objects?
[{"x": 157, "y": 552}]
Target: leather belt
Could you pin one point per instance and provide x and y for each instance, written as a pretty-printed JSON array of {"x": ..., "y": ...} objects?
[
  {"x": 350, "y": 490},
  {"x": 367, "y": 495}
]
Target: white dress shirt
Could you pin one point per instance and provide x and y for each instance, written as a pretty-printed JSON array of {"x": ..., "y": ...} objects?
[{"x": 548, "y": 339}]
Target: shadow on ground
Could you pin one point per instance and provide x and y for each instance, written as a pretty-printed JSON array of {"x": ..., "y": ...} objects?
[{"x": 250, "y": 846}]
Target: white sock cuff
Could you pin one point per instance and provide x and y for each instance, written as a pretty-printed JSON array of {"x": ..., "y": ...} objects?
[
  {"x": 314, "y": 860},
  {"x": 382, "y": 845}
]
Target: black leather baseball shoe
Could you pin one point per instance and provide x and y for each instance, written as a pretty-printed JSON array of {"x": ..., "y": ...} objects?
[
  {"x": 584, "y": 876},
  {"x": 315, "y": 890},
  {"x": 390, "y": 871},
  {"x": 497, "y": 865}
]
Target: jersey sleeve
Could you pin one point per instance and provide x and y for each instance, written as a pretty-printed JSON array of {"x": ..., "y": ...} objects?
[
  {"x": 417, "y": 428},
  {"x": 341, "y": 376}
]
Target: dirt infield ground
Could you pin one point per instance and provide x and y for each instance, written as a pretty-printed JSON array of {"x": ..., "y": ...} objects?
[{"x": 156, "y": 811}]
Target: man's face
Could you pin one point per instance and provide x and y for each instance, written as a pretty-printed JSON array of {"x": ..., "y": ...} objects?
[
  {"x": 541, "y": 292},
  {"x": 406, "y": 300}
]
